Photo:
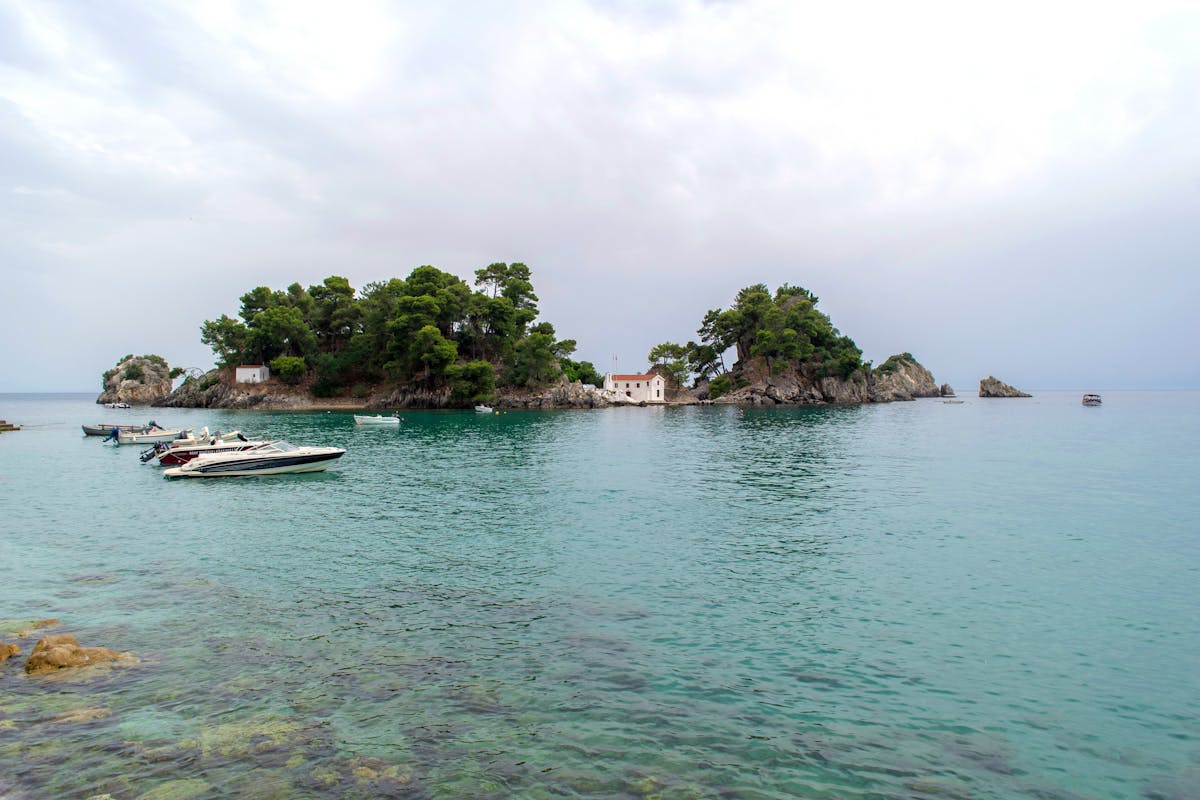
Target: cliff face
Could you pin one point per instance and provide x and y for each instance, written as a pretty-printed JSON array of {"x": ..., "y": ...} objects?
[
  {"x": 992, "y": 387},
  {"x": 905, "y": 379},
  {"x": 137, "y": 380}
]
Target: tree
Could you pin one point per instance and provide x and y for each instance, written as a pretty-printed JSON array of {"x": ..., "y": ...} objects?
[
  {"x": 472, "y": 382},
  {"x": 228, "y": 338},
  {"x": 671, "y": 360},
  {"x": 582, "y": 371},
  {"x": 290, "y": 369}
]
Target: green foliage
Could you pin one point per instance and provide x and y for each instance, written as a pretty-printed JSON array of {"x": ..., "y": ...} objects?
[
  {"x": 472, "y": 382},
  {"x": 892, "y": 364},
  {"x": 671, "y": 359},
  {"x": 722, "y": 384},
  {"x": 290, "y": 369},
  {"x": 133, "y": 372},
  {"x": 413, "y": 331},
  {"x": 582, "y": 371},
  {"x": 209, "y": 381},
  {"x": 360, "y": 391},
  {"x": 784, "y": 328},
  {"x": 175, "y": 372}
]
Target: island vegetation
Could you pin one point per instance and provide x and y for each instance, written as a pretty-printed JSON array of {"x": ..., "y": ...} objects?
[
  {"x": 780, "y": 331},
  {"x": 430, "y": 332}
]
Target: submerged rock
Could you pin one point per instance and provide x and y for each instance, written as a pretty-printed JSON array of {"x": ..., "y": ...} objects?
[
  {"x": 62, "y": 651},
  {"x": 993, "y": 387},
  {"x": 184, "y": 789},
  {"x": 7, "y": 651}
]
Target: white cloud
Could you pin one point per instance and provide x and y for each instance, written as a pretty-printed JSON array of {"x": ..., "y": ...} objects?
[{"x": 641, "y": 158}]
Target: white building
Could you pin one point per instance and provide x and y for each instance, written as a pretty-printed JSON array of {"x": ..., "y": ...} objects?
[
  {"x": 252, "y": 373},
  {"x": 648, "y": 388}
]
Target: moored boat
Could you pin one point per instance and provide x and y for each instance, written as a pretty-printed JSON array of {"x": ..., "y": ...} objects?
[
  {"x": 181, "y": 451},
  {"x": 377, "y": 419},
  {"x": 106, "y": 429},
  {"x": 273, "y": 458},
  {"x": 152, "y": 435},
  {"x": 482, "y": 409},
  {"x": 1091, "y": 400}
]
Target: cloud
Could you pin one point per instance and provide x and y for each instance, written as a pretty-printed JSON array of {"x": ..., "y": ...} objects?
[{"x": 930, "y": 170}]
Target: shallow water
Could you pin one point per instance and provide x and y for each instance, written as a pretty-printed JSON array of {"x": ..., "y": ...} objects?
[{"x": 989, "y": 600}]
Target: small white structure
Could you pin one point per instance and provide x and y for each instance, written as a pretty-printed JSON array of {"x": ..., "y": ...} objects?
[
  {"x": 252, "y": 373},
  {"x": 648, "y": 388}
]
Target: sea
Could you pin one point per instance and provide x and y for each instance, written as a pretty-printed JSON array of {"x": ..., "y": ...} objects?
[{"x": 992, "y": 599}]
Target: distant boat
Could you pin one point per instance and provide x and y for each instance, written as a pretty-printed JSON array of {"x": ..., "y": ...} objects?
[
  {"x": 953, "y": 402},
  {"x": 1091, "y": 399},
  {"x": 117, "y": 405},
  {"x": 482, "y": 409},
  {"x": 376, "y": 420}
]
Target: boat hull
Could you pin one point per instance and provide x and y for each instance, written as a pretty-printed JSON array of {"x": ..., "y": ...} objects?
[
  {"x": 128, "y": 437},
  {"x": 376, "y": 420},
  {"x": 243, "y": 467},
  {"x": 105, "y": 430}
]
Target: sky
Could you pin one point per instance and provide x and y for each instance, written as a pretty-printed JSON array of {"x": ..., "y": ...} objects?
[{"x": 1007, "y": 189}]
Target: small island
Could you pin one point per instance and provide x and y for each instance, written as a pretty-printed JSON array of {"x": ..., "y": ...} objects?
[{"x": 432, "y": 341}]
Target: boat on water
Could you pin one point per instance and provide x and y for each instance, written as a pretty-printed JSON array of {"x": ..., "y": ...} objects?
[
  {"x": 482, "y": 409},
  {"x": 106, "y": 428},
  {"x": 151, "y": 435},
  {"x": 181, "y": 451},
  {"x": 273, "y": 458},
  {"x": 953, "y": 402},
  {"x": 376, "y": 420},
  {"x": 1091, "y": 400},
  {"x": 117, "y": 405}
]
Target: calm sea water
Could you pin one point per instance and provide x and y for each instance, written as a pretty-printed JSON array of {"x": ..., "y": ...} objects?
[{"x": 997, "y": 599}]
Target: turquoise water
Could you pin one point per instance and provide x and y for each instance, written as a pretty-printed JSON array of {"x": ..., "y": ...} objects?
[{"x": 997, "y": 599}]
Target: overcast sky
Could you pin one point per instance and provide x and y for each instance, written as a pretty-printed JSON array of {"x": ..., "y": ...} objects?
[{"x": 1002, "y": 188}]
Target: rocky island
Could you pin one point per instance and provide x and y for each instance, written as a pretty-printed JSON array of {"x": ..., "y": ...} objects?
[
  {"x": 993, "y": 387},
  {"x": 138, "y": 380},
  {"x": 431, "y": 341}
]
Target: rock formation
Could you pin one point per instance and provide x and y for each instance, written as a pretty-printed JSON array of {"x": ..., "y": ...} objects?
[
  {"x": 7, "y": 651},
  {"x": 946, "y": 390},
  {"x": 901, "y": 377},
  {"x": 137, "y": 380},
  {"x": 62, "y": 651},
  {"x": 992, "y": 387}
]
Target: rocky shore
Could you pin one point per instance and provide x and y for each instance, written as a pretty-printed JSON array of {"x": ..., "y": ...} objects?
[
  {"x": 137, "y": 380},
  {"x": 901, "y": 378}
]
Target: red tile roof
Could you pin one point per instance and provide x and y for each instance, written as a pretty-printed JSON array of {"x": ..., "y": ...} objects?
[{"x": 645, "y": 377}]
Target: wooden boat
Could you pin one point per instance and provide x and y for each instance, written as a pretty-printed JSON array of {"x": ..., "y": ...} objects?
[
  {"x": 376, "y": 420},
  {"x": 106, "y": 428},
  {"x": 273, "y": 458},
  {"x": 1091, "y": 400}
]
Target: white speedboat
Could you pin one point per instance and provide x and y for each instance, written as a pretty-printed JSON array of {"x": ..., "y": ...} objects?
[
  {"x": 482, "y": 409},
  {"x": 1091, "y": 400},
  {"x": 376, "y": 420},
  {"x": 273, "y": 458}
]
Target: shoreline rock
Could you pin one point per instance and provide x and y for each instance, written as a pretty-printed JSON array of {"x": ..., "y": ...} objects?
[
  {"x": 137, "y": 380},
  {"x": 993, "y": 387},
  {"x": 903, "y": 379}
]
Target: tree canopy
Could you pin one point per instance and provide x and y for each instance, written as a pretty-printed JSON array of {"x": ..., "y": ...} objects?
[
  {"x": 430, "y": 330},
  {"x": 783, "y": 329}
]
